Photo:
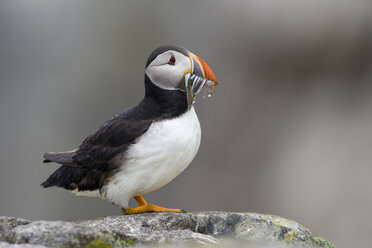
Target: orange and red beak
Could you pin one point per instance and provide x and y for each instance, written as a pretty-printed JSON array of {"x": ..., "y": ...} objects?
[{"x": 200, "y": 68}]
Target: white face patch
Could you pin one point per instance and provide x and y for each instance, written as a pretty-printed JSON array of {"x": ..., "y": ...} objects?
[{"x": 168, "y": 76}]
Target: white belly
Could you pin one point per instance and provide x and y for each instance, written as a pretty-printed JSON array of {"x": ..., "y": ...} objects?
[{"x": 157, "y": 157}]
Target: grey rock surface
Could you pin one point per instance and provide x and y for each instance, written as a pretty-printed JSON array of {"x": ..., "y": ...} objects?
[
  {"x": 169, "y": 229},
  {"x": 8, "y": 245}
]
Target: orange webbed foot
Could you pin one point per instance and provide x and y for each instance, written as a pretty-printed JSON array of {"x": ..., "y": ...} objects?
[{"x": 148, "y": 208}]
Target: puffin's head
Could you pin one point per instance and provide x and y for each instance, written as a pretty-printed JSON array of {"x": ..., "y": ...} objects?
[{"x": 167, "y": 67}]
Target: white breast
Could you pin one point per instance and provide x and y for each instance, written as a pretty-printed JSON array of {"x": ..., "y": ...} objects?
[{"x": 157, "y": 157}]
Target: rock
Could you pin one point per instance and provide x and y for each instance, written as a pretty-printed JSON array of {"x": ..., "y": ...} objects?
[
  {"x": 189, "y": 229},
  {"x": 8, "y": 245}
]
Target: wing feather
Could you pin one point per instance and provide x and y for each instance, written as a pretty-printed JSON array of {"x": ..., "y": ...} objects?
[{"x": 113, "y": 137}]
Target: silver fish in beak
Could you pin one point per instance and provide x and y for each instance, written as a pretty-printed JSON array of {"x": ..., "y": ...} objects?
[{"x": 201, "y": 77}]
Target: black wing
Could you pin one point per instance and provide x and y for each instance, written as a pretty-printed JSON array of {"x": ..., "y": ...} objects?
[
  {"x": 113, "y": 137},
  {"x": 91, "y": 164}
]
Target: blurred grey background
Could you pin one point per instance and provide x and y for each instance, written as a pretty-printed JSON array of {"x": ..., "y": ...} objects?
[{"x": 288, "y": 131}]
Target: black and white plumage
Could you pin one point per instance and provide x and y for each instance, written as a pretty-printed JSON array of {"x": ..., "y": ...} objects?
[{"x": 144, "y": 147}]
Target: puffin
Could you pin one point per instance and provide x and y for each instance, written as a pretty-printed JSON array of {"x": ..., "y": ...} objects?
[{"x": 146, "y": 146}]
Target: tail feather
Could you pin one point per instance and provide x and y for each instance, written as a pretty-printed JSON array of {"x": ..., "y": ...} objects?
[
  {"x": 72, "y": 178},
  {"x": 59, "y": 157},
  {"x": 64, "y": 177}
]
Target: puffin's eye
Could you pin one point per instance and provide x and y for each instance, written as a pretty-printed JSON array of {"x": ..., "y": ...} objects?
[{"x": 172, "y": 60}]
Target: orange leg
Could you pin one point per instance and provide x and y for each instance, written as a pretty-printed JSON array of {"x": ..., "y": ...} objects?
[{"x": 146, "y": 208}]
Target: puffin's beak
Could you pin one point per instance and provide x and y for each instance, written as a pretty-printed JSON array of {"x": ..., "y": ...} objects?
[
  {"x": 200, "y": 77},
  {"x": 200, "y": 68}
]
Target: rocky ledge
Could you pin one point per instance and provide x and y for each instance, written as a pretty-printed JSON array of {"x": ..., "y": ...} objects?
[{"x": 169, "y": 229}]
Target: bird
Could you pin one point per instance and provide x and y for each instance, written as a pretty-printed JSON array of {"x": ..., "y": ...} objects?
[{"x": 146, "y": 146}]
